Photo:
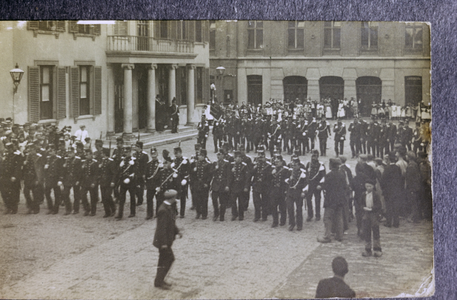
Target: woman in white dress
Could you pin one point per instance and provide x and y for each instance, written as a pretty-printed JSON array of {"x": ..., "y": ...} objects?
[
  {"x": 328, "y": 109},
  {"x": 340, "y": 113}
]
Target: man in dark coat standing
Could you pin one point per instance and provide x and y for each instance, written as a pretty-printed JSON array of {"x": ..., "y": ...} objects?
[
  {"x": 335, "y": 286},
  {"x": 392, "y": 186},
  {"x": 165, "y": 234}
]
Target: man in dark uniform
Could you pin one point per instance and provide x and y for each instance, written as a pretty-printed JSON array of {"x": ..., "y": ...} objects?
[
  {"x": 392, "y": 190},
  {"x": 354, "y": 137},
  {"x": 174, "y": 115},
  {"x": 53, "y": 179},
  {"x": 335, "y": 287},
  {"x": 203, "y": 130},
  {"x": 218, "y": 134},
  {"x": 371, "y": 136},
  {"x": 274, "y": 135},
  {"x": 107, "y": 179},
  {"x": 141, "y": 158},
  {"x": 340, "y": 135},
  {"x": 152, "y": 181},
  {"x": 220, "y": 186},
  {"x": 117, "y": 157},
  {"x": 239, "y": 183},
  {"x": 312, "y": 128},
  {"x": 98, "y": 149},
  {"x": 363, "y": 136},
  {"x": 323, "y": 134},
  {"x": 89, "y": 184},
  {"x": 278, "y": 189},
  {"x": 315, "y": 171},
  {"x": 295, "y": 184},
  {"x": 417, "y": 139},
  {"x": 261, "y": 181},
  {"x": 72, "y": 168},
  {"x": 383, "y": 134},
  {"x": 200, "y": 179},
  {"x": 248, "y": 161},
  {"x": 127, "y": 175},
  {"x": 166, "y": 179},
  {"x": 33, "y": 179},
  {"x": 391, "y": 136},
  {"x": 164, "y": 236},
  {"x": 181, "y": 165},
  {"x": 407, "y": 136}
]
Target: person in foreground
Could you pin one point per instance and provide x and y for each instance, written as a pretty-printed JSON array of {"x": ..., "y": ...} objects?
[
  {"x": 335, "y": 286},
  {"x": 165, "y": 234}
]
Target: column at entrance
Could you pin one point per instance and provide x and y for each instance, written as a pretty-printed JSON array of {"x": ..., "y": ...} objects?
[
  {"x": 128, "y": 101},
  {"x": 172, "y": 83},
  {"x": 190, "y": 94},
  {"x": 111, "y": 101},
  {"x": 151, "y": 98}
]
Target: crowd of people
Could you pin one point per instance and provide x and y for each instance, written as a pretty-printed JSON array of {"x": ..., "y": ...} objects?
[{"x": 48, "y": 164}]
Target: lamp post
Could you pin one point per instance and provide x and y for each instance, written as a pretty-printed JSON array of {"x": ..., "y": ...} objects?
[
  {"x": 220, "y": 72},
  {"x": 16, "y": 75}
]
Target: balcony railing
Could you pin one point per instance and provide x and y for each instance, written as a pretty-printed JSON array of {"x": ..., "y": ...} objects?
[{"x": 130, "y": 43}]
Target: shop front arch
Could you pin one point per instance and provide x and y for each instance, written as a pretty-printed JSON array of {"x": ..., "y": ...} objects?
[
  {"x": 369, "y": 89},
  {"x": 295, "y": 87},
  {"x": 331, "y": 87}
]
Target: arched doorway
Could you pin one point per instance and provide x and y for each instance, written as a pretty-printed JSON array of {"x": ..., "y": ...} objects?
[
  {"x": 331, "y": 87},
  {"x": 368, "y": 91},
  {"x": 255, "y": 89},
  {"x": 295, "y": 87},
  {"x": 413, "y": 90}
]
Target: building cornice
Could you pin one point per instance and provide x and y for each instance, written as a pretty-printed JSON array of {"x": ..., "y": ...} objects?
[{"x": 321, "y": 58}]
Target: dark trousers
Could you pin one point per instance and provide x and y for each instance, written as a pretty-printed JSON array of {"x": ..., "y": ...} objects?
[
  {"x": 166, "y": 259},
  {"x": 183, "y": 198},
  {"x": 392, "y": 212},
  {"x": 311, "y": 139},
  {"x": 323, "y": 146},
  {"x": 313, "y": 191},
  {"x": 202, "y": 202},
  {"x": 174, "y": 124},
  {"x": 292, "y": 201},
  {"x": 277, "y": 201},
  {"x": 33, "y": 201},
  {"x": 219, "y": 204},
  {"x": 392, "y": 145},
  {"x": 93, "y": 191},
  {"x": 371, "y": 147},
  {"x": 412, "y": 200},
  {"x": 339, "y": 147},
  {"x": 123, "y": 192},
  {"x": 217, "y": 139},
  {"x": 371, "y": 227},
  {"x": 53, "y": 206},
  {"x": 363, "y": 146},
  {"x": 260, "y": 205},
  {"x": 107, "y": 200},
  {"x": 358, "y": 217},
  {"x": 355, "y": 147},
  {"x": 139, "y": 191},
  {"x": 237, "y": 205},
  {"x": 202, "y": 142},
  {"x": 150, "y": 202},
  {"x": 76, "y": 197},
  {"x": 333, "y": 221}
]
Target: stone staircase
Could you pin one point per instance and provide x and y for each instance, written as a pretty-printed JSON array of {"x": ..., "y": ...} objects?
[{"x": 156, "y": 139}]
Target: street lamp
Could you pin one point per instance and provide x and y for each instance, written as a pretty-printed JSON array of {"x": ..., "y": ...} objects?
[
  {"x": 16, "y": 75},
  {"x": 220, "y": 72}
]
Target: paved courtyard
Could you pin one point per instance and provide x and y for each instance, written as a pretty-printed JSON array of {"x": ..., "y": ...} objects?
[{"x": 60, "y": 256}]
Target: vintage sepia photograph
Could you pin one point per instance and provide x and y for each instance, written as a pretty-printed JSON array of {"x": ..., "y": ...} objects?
[{"x": 215, "y": 159}]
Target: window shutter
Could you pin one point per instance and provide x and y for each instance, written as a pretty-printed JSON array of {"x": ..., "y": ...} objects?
[
  {"x": 205, "y": 29},
  {"x": 98, "y": 90},
  {"x": 33, "y": 25},
  {"x": 205, "y": 82},
  {"x": 34, "y": 93},
  {"x": 74, "y": 92},
  {"x": 60, "y": 26},
  {"x": 73, "y": 27},
  {"x": 191, "y": 30},
  {"x": 61, "y": 94},
  {"x": 97, "y": 29}
]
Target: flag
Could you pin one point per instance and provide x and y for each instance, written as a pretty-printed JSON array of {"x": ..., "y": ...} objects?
[{"x": 216, "y": 111}]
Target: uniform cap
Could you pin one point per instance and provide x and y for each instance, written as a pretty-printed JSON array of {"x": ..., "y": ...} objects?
[
  {"x": 392, "y": 156},
  {"x": 170, "y": 194},
  {"x": 177, "y": 149},
  {"x": 98, "y": 142},
  {"x": 166, "y": 155},
  {"x": 153, "y": 150},
  {"x": 139, "y": 144},
  {"x": 334, "y": 162},
  {"x": 119, "y": 139}
]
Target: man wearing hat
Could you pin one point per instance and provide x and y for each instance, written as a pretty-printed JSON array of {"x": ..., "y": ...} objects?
[
  {"x": 181, "y": 165},
  {"x": 53, "y": 179},
  {"x": 372, "y": 207},
  {"x": 382, "y": 139},
  {"x": 295, "y": 184},
  {"x": 248, "y": 161},
  {"x": 340, "y": 136},
  {"x": 407, "y": 136},
  {"x": 167, "y": 178},
  {"x": 278, "y": 188},
  {"x": 391, "y": 136},
  {"x": 392, "y": 189},
  {"x": 417, "y": 138},
  {"x": 117, "y": 157},
  {"x": 200, "y": 178},
  {"x": 141, "y": 158},
  {"x": 89, "y": 183},
  {"x": 10, "y": 177},
  {"x": 354, "y": 137},
  {"x": 220, "y": 186},
  {"x": 152, "y": 181},
  {"x": 335, "y": 187},
  {"x": 323, "y": 134},
  {"x": 261, "y": 180},
  {"x": 127, "y": 171},
  {"x": 218, "y": 134},
  {"x": 315, "y": 171},
  {"x": 203, "y": 131},
  {"x": 72, "y": 177},
  {"x": 239, "y": 185},
  {"x": 164, "y": 236},
  {"x": 33, "y": 179},
  {"x": 107, "y": 179},
  {"x": 98, "y": 149}
]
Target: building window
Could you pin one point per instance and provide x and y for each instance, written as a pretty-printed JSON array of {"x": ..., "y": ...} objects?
[
  {"x": 46, "y": 27},
  {"x": 84, "y": 30},
  {"x": 46, "y": 92},
  {"x": 296, "y": 34},
  {"x": 255, "y": 34},
  {"x": 199, "y": 72},
  {"x": 413, "y": 36},
  {"x": 332, "y": 35},
  {"x": 84, "y": 90},
  {"x": 212, "y": 35},
  {"x": 182, "y": 30},
  {"x": 120, "y": 28},
  {"x": 198, "y": 31},
  {"x": 369, "y": 35}
]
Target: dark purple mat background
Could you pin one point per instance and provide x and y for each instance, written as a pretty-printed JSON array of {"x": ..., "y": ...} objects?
[{"x": 441, "y": 14}]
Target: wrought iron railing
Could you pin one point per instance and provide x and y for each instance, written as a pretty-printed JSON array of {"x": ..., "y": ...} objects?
[{"x": 130, "y": 43}]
